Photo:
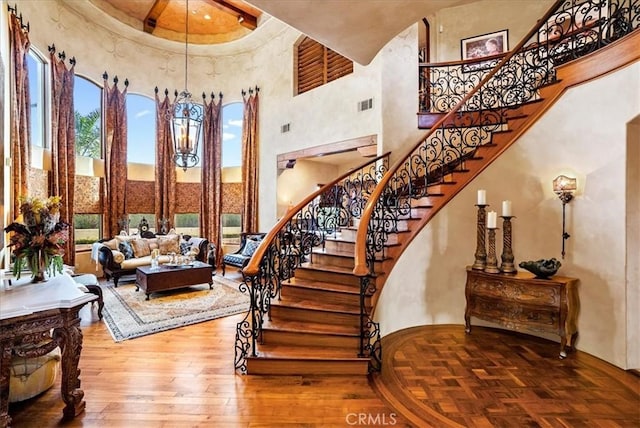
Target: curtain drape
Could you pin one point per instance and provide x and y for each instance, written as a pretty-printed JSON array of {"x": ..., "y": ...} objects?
[
  {"x": 20, "y": 112},
  {"x": 250, "y": 162},
  {"x": 211, "y": 176},
  {"x": 114, "y": 109},
  {"x": 63, "y": 146},
  {"x": 165, "y": 185}
]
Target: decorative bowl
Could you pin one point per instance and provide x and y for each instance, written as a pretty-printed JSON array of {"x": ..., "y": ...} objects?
[{"x": 541, "y": 268}]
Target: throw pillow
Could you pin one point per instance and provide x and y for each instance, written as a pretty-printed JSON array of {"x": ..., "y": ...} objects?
[
  {"x": 140, "y": 247},
  {"x": 111, "y": 243},
  {"x": 169, "y": 244},
  {"x": 118, "y": 257},
  {"x": 185, "y": 247},
  {"x": 250, "y": 247},
  {"x": 126, "y": 249}
]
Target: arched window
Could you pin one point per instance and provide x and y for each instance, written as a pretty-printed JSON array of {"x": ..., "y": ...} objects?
[
  {"x": 316, "y": 64},
  {"x": 232, "y": 117},
  {"x": 36, "y": 68},
  {"x": 87, "y": 102},
  {"x": 141, "y": 129}
]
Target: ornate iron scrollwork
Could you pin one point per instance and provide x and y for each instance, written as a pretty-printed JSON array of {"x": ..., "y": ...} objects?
[{"x": 335, "y": 206}]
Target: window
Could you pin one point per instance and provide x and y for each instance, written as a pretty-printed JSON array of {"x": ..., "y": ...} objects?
[
  {"x": 141, "y": 129},
  {"x": 87, "y": 99},
  {"x": 87, "y": 229},
  {"x": 231, "y": 226},
  {"x": 317, "y": 64},
  {"x": 232, "y": 117},
  {"x": 135, "y": 219},
  {"x": 36, "y": 70},
  {"x": 188, "y": 224}
]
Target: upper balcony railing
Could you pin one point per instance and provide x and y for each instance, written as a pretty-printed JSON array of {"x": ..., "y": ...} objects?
[
  {"x": 472, "y": 102},
  {"x": 574, "y": 29}
]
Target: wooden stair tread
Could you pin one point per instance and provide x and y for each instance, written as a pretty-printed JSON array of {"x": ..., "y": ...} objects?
[
  {"x": 287, "y": 352},
  {"x": 337, "y": 253},
  {"x": 321, "y": 285},
  {"x": 314, "y": 305},
  {"x": 326, "y": 268},
  {"x": 351, "y": 241},
  {"x": 311, "y": 327}
]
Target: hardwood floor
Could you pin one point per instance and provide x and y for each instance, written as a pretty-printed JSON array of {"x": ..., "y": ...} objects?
[{"x": 435, "y": 375}]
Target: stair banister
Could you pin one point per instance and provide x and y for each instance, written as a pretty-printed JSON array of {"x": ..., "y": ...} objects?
[
  {"x": 361, "y": 268},
  {"x": 254, "y": 264},
  {"x": 290, "y": 241}
]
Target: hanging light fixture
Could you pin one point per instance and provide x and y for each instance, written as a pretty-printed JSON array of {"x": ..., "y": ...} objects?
[{"x": 186, "y": 121}]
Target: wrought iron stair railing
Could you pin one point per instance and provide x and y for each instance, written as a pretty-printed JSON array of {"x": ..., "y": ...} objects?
[
  {"x": 322, "y": 214},
  {"x": 480, "y": 103}
]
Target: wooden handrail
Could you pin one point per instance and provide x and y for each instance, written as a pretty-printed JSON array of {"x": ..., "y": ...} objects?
[
  {"x": 361, "y": 268},
  {"x": 254, "y": 264}
]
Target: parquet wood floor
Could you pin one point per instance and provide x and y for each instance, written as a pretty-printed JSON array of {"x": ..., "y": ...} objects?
[
  {"x": 439, "y": 376},
  {"x": 434, "y": 376}
]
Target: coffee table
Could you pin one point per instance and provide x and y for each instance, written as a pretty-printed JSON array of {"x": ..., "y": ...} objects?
[{"x": 170, "y": 277}]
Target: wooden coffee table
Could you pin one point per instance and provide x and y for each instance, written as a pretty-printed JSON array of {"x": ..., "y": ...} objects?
[{"x": 168, "y": 278}]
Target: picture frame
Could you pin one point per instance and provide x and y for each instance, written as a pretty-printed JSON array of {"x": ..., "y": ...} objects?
[{"x": 485, "y": 45}]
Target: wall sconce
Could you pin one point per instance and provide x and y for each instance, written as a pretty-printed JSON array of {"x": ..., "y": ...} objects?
[{"x": 564, "y": 187}]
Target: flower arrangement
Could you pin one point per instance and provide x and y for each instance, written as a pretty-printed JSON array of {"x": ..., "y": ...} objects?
[{"x": 39, "y": 242}]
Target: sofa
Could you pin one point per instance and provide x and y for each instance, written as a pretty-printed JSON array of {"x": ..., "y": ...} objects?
[
  {"x": 120, "y": 256},
  {"x": 248, "y": 244}
]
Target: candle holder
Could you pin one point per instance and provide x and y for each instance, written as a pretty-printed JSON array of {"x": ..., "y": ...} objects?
[
  {"x": 492, "y": 260},
  {"x": 507, "y": 265},
  {"x": 481, "y": 251}
]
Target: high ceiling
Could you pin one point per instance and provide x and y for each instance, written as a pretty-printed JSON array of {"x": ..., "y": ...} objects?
[
  {"x": 357, "y": 29},
  {"x": 210, "y": 21}
]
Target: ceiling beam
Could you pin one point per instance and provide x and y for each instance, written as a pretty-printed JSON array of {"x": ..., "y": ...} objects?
[
  {"x": 153, "y": 15},
  {"x": 245, "y": 19}
]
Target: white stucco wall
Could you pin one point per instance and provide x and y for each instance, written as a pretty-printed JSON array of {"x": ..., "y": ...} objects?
[
  {"x": 583, "y": 134},
  {"x": 449, "y": 26},
  {"x": 297, "y": 183}
]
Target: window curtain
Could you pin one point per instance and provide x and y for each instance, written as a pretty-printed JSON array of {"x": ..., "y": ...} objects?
[
  {"x": 211, "y": 175},
  {"x": 63, "y": 143},
  {"x": 114, "y": 108},
  {"x": 250, "y": 161},
  {"x": 20, "y": 112},
  {"x": 165, "y": 185}
]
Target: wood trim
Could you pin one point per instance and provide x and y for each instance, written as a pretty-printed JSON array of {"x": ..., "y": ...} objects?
[
  {"x": 153, "y": 15},
  {"x": 366, "y": 143},
  {"x": 248, "y": 20}
]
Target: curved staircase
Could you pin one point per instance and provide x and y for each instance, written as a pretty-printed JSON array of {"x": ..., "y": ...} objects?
[{"x": 316, "y": 276}]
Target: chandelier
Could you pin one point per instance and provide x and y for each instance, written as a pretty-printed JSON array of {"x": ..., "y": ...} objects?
[{"x": 186, "y": 120}]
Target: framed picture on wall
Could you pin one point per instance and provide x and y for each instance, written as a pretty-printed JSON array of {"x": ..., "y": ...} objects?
[{"x": 485, "y": 45}]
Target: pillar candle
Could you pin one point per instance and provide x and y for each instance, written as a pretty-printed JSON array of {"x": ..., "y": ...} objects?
[
  {"x": 492, "y": 218},
  {"x": 506, "y": 208},
  {"x": 482, "y": 197}
]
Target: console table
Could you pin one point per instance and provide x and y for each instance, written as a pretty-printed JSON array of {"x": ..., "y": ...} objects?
[
  {"x": 524, "y": 302},
  {"x": 45, "y": 316}
]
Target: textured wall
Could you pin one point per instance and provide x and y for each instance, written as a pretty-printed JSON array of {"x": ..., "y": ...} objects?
[{"x": 578, "y": 137}]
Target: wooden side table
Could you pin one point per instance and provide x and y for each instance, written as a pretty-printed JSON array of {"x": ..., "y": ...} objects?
[
  {"x": 28, "y": 314},
  {"x": 524, "y": 302}
]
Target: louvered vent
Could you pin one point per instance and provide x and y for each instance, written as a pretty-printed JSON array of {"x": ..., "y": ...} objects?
[
  {"x": 285, "y": 128},
  {"x": 317, "y": 65},
  {"x": 365, "y": 104}
]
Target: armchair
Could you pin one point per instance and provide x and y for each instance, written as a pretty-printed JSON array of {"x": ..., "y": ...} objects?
[{"x": 248, "y": 244}]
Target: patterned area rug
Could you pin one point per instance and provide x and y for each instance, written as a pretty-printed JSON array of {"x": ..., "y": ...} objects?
[{"x": 128, "y": 315}]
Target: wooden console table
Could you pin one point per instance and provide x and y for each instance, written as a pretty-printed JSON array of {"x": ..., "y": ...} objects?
[
  {"x": 524, "y": 302},
  {"x": 43, "y": 314}
]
